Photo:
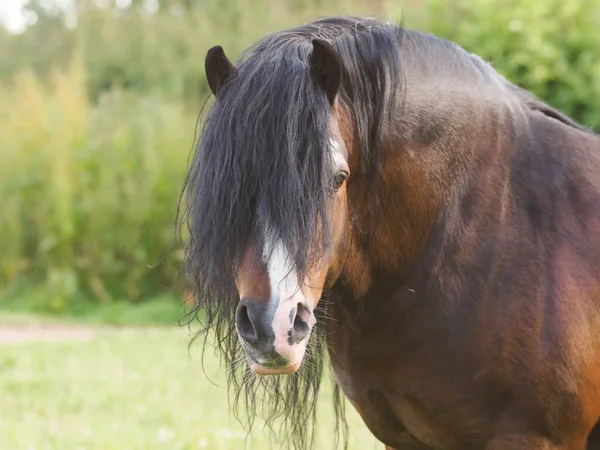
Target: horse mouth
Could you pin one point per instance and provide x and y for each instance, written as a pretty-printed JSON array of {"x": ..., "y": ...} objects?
[
  {"x": 260, "y": 369},
  {"x": 272, "y": 364}
]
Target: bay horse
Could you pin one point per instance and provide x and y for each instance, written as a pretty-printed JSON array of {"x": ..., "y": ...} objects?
[{"x": 383, "y": 197}]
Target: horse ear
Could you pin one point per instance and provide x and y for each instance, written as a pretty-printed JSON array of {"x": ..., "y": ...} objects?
[
  {"x": 325, "y": 67},
  {"x": 218, "y": 68}
]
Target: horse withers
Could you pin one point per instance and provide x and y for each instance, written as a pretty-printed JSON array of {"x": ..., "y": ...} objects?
[{"x": 387, "y": 197}]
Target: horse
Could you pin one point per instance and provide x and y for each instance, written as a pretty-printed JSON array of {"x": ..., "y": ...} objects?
[{"x": 381, "y": 202}]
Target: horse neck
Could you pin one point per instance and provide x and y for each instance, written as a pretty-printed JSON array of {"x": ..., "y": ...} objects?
[{"x": 445, "y": 148}]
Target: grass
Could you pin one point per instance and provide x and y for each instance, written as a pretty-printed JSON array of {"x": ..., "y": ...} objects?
[{"x": 125, "y": 388}]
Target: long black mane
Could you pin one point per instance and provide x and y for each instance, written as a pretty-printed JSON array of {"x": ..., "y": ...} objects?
[{"x": 261, "y": 167}]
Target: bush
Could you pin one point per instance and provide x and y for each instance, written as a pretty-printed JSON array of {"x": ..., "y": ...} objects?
[{"x": 88, "y": 192}]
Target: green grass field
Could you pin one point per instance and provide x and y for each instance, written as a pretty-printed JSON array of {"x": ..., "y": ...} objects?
[{"x": 71, "y": 386}]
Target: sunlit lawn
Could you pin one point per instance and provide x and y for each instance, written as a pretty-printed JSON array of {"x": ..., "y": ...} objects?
[{"x": 125, "y": 389}]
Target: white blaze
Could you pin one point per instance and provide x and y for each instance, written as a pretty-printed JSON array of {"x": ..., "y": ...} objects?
[
  {"x": 285, "y": 292},
  {"x": 282, "y": 273}
]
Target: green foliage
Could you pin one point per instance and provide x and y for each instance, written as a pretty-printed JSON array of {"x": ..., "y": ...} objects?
[
  {"x": 550, "y": 47},
  {"x": 89, "y": 191},
  {"x": 162, "y": 52}
]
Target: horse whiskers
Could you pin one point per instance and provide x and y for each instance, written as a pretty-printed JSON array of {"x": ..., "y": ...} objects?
[{"x": 241, "y": 360}]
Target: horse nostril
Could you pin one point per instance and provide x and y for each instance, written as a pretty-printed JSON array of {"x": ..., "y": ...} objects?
[
  {"x": 244, "y": 325},
  {"x": 300, "y": 327}
]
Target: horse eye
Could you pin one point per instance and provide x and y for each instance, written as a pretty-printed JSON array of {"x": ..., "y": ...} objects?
[{"x": 338, "y": 180}]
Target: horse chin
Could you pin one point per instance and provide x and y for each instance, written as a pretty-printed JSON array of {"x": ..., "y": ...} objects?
[
  {"x": 284, "y": 360},
  {"x": 259, "y": 369}
]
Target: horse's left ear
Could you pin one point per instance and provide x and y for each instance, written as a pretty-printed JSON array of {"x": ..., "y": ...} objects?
[
  {"x": 218, "y": 68},
  {"x": 326, "y": 68}
]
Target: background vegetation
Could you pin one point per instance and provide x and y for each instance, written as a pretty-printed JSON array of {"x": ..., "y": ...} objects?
[{"x": 98, "y": 108}]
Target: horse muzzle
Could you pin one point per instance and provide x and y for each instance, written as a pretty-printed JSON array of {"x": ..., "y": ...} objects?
[{"x": 274, "y": 334}]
